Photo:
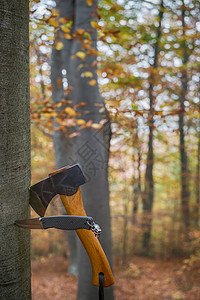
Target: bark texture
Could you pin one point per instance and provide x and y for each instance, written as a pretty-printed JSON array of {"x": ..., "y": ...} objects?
[
  {"x": 185, "y": 193},
  {"x": 137, "y": 191},
  {"x": 14, "y": 150},
  {"x": 149, "y": 180},
  {"x": 91, "y": 148}
]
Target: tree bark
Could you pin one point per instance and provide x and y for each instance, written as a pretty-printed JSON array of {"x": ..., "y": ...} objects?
[
  {"x": 149, "y": 180},
  {"x": 14, "y": 150},
  {"x": 185, "y": 193},
  {"x": 63, "y": 146},
  {"x": 197, "y": 183},
  {"x": 137, "y": 192},
  {"x": 91, "y": 148}
]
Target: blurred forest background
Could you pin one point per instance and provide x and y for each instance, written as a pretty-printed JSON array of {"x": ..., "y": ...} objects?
[{"x": 148, "y": 63}]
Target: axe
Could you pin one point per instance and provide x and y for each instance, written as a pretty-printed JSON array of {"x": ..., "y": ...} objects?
[{"x": 66, "y": 182}]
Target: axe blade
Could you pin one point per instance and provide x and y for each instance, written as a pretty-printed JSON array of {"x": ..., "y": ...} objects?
[{"x": 64, "y": 182}]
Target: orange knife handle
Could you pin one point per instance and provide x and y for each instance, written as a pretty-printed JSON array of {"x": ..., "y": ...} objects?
[{"x": 74, "y": 206}]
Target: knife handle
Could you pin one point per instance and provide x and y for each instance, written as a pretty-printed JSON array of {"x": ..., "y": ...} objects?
[
  {"x": 67, "y": 222},
  {"x": 74, "y": 206}
]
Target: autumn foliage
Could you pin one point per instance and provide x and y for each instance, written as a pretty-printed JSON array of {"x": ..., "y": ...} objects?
[{"x": 148, "y": 72}]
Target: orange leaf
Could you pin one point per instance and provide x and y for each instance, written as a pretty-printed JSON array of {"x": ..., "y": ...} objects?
[
  {"x": 89, "y": 123},
  {"x": 53, "y": 23},
  {"x": 92, "y": 82},
  {"x": 95, "y": 25},
  {"x": 63, "y": 20},
  {"x": 65, "y": 28},
  {"x": 59, "y": 81},
  {"x": 82, "y": 104},
  {"x": 70, "y": 111},
  {"x": 89, "y": 2},
  {"x": 80, "y": 31},
  {"x": 67, "y": 36}
]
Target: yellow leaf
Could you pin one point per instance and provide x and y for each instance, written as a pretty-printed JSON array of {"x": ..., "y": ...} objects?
[
  {"x": 59, "y": 104},
  {"x": 87, "y": 74},
  {"x": 53, "y": 23},
  {"x": 89, "y": 2},
  {"x": 80, "y": 122},
  {"x": 81, "y": 54},
  {"x": 96, "y": 126},
  {"x": 102, "y": 110},
  {"x": 80, "y": 66},
  {"x": 59, "y": 45},
  {"x": 65, "y": 29},
  {"x": 92, "y": 82},
  {"x": 70, "y": 111},
  {"x": 67, "y": 36},
  {"x": 95, "y": 25}
]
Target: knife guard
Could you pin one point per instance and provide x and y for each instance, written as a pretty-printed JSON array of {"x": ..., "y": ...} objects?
[{"x": 74, "y": 206}]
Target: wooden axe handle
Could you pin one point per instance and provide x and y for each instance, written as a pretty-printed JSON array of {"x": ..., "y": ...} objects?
[{"x": 74, "y": 206}]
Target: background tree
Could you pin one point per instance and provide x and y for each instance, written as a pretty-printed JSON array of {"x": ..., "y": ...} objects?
[
  {"x": 15, "y": 149},
  {"x": 83, "y": 128},
  {"x": 148, "y": 197}
]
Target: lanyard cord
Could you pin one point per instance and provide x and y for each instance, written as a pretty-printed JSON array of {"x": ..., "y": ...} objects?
[{"x": 101, "y": 286}]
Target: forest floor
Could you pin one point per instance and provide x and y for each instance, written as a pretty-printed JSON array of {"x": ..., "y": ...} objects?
[{"x": 143, "y": 279}]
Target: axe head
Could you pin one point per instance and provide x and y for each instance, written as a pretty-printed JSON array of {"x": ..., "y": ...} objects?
[{"x": 64, "y": 182}]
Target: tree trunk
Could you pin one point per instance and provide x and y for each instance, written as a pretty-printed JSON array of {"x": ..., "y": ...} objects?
[
  {"x": 197, "y": 182},
  {"x": 15, "y": 272},
  {"x": 185, "y": 194},
  {"x": 149, "y": 181},
  {"x": 63, "y": 145},
  {"x": 91, "y": 148},
  {"x": 137, "y": 178}
]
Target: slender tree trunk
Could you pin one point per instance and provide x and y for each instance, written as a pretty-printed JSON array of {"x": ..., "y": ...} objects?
[
  {"x": 91, "y": 148},
  {"x": 149, "y": 181},
  {"x": 197, "y": 182},
  {"x": 137, "y": 179},
  {"x": 185, "y": 193},
  {"x": 125, "y": 231},
  {"x": 14, "y": 150}
]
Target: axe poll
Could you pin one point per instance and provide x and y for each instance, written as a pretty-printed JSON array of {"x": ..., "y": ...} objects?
[{"x": 66, "y": 183}]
